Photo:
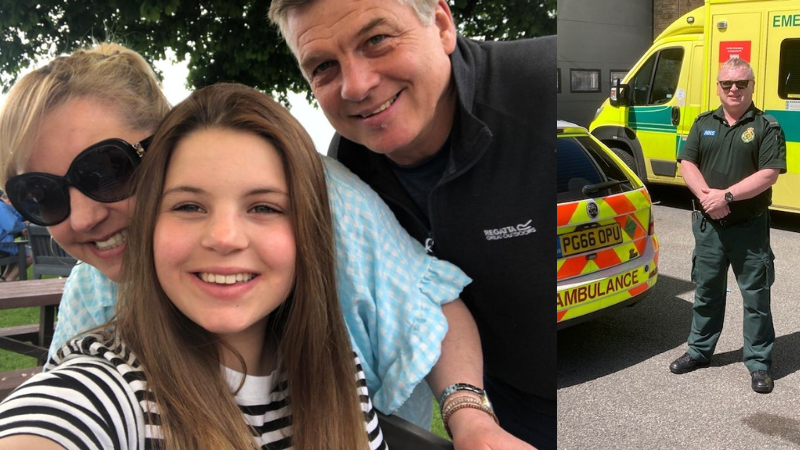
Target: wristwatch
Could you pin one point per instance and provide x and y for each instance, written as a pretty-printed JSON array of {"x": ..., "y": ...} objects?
[
  {"x": 728, "y": 196},
  {"x": 453, "y": 388}
]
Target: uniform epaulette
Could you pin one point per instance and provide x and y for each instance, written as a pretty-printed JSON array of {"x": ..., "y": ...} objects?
[
  {"x": 773, "y": 122},
  {"x": 707, "y": 113}
]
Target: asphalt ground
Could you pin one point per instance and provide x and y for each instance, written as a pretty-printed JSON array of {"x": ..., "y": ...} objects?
[{"x": 615, "y": 390}]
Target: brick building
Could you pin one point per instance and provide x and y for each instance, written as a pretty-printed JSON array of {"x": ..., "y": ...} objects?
[{"x": 666, "y": 11}]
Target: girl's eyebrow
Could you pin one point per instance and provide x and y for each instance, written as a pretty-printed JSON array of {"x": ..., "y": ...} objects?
[
  {"x": 267, "y": 190},
  {"x": 200, "y": 191},
  {"x": 183, "y": 189}
]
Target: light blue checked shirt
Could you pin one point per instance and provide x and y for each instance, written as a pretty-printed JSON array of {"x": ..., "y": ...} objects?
[{"x": 390, "y": 291}]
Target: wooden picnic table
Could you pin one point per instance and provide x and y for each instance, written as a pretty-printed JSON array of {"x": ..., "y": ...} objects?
[{"x": 31, "y": 340}]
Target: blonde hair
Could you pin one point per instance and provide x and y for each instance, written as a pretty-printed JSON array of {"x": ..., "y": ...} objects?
[
  {"x": 738, "y": 63},
  {"x": 117, "y": 76},
  {"x": 180, "y": 359},
  {"x": 279, "y": 10}
]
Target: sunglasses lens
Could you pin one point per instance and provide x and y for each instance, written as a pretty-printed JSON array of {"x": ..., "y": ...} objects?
[
  {"x": 104, "y": 174},
  {"x": 741, "y": 84},
  {"x": 44, "y": 201}
]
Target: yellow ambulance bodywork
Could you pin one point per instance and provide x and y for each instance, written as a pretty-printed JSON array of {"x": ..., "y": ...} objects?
[{"x": 684, "y": 60}]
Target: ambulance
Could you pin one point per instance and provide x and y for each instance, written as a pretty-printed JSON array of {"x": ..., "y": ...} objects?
[
  {"x": 647, "y": 118},
  {"x": 606, "y": 247}
]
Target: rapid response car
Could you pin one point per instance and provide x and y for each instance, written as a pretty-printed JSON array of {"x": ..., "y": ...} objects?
[{"x": 607, "y": 249}]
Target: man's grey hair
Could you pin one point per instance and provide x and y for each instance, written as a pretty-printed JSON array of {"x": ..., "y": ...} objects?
[
  {"x": 738, "y": 63},
  {"x": 279, "y": 10}
]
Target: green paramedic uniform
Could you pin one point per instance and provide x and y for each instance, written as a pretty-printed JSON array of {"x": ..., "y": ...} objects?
[{"x": 725, "y": 155}]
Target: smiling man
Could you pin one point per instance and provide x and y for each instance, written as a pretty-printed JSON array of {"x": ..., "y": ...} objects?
[
  {"x": 732, "y": 157},
  {"x": 456, "y": 136}
]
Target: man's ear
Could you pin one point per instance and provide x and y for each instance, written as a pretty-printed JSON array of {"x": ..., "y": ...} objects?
[{"x": 443, "y": 20}]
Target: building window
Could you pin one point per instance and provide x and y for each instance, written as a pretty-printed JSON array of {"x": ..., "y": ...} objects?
[
  {"x": 584, "y": 80},
  {"x": 613, "y": 74},
  {"x": 789, "y": 72}
]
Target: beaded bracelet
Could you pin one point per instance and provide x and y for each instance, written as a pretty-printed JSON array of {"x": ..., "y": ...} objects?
[
  {"x": 466, "y": 404},
  {"x": 457, "y": 401}
]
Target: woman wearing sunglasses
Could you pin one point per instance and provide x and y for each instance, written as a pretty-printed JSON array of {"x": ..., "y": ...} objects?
[
  {"x": 72, "y": 134},
  {"x": 233, "y": 189}
]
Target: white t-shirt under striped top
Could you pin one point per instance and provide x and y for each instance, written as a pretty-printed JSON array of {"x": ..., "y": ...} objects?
[{"x": 93, "y": 397}]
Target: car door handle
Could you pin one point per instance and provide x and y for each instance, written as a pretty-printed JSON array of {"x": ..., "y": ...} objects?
[{"x": 676, "y": 115}]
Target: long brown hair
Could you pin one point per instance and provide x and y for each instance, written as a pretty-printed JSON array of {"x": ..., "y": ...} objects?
[{"x": 180, "y": 359}]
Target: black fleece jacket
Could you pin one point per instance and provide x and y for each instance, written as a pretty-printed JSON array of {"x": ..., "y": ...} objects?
[{"x": 493, "y": 212}]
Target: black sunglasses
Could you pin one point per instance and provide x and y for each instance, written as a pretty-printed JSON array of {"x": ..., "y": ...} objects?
[
  {"x": 102, "y": 172},
  {"x": 727, "y": 84}
]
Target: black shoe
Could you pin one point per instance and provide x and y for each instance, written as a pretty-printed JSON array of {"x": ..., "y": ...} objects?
[
  {"x": 762, "y": 381},
  {"x": 686, "y": 364}
]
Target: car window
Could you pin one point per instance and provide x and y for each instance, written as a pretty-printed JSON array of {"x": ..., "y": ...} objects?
[
  {"x": 582, "y": 162},
  {"x": 667, "y": 64}
]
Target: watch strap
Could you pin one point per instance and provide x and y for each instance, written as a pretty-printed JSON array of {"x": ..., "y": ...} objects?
[
  {"x": 453, "y": 388},
  {"x": 728, "y": 197}
]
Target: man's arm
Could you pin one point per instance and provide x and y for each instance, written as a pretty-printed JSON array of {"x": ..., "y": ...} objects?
[
  {"x": 697, "y": 184},
  {"x": 461, "y": 361},
  {"x": 693, "y": 178},
  {"x": 754, "y": 184},
  {"x": 747, "y": 188}
]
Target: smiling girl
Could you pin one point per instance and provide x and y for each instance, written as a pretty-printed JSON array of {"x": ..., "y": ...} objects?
[{"x": 229, "y": 333}]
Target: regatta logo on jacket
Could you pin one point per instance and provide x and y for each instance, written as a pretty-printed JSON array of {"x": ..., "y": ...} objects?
[{"x": 513, "y": 231}]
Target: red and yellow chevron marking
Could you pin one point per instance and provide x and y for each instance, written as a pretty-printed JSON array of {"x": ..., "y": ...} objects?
[
  {"x": 631, "y": 210},
  {"x": 602, "y": 293}
]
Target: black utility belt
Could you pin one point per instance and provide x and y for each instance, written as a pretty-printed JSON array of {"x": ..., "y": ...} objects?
[{"x": 725, "y": 222}]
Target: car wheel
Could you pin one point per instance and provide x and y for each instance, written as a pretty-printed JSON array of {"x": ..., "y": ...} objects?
[{"x": 626, "y": 157}]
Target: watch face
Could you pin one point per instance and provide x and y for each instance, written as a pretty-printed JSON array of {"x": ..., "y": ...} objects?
[{"x": 728, "y": 197}]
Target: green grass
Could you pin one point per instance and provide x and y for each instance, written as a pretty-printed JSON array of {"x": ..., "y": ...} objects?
[
  {"x": 436, "y": 425},
  {"x": 14, "y": 317}
]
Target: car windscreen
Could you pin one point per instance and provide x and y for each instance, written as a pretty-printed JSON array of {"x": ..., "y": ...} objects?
[{"x": 586, "y": 170}]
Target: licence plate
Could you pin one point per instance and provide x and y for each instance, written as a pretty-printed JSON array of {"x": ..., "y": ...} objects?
[{"x": 591, "y": 239}]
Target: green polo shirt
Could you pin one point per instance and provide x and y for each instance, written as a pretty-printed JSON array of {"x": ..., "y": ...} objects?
[{"x": 727, "y": 154}]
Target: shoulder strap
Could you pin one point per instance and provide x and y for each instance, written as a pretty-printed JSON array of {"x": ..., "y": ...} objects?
[
  {"x": 707, "y": 113},
  {"x": 771, "y": 120}
]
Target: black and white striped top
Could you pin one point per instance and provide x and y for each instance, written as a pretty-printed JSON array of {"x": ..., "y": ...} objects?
[{"x": 94, "y": 396}]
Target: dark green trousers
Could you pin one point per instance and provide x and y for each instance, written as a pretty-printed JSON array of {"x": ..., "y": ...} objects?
[{"x": 745, "y": 247}]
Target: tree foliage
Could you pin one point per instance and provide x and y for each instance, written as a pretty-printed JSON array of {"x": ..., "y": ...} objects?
[{"x": 223, "y": 40}]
